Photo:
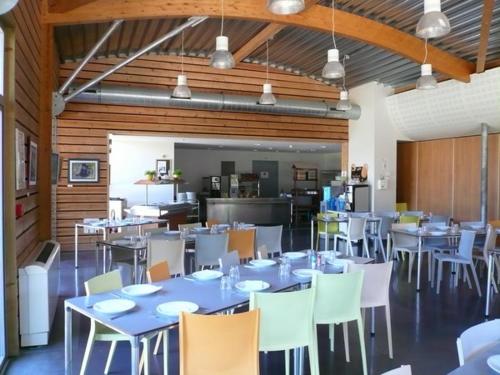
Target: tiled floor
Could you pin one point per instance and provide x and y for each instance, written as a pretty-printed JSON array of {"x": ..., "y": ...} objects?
[{"x": 425, "y": 327}]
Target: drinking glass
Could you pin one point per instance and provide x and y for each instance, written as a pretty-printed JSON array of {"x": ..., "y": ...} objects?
[
  {"x": 225, "y": 283},
  {"x": 235, "y": 225},
  {"x": 234, "y": 274}
]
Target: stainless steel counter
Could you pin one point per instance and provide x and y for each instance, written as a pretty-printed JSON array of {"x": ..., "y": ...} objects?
[{"x": 250, "y": 210}]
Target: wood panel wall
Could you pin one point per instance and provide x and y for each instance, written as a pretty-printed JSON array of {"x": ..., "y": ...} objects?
[
  {"x": 443, "y": 176},
  {"x": 27, "y": 94},
  {"x": 83, "y": 128}
]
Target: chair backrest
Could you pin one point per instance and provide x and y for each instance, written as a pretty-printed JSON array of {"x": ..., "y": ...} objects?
[
  {"x": 491, "y": 239},
  {"x": 356, "y": 227},
  {"x": 466, "y": 243},
  {"x": 403, "y": 370},
  {"x": 158, "y": 272},
  {"x": 376, "y": 282},
  {"x": 338, "y": 297},
  {"x": 440, "y": 219},
  {"x": 400, "y": 207},
  {"x": 209, "y": 248},
  {"x": 211, "y": 222},
  {"x": 229, "y": 259},
  {"x": 401, "y": 239},
  {"x": 408, "y": 219},
  {"x": 161, "y": 249},
  {"x": 332, "y": 227},
  {"x": 270, "y": 237},
  {"x": 243, "y": 241},
  {"x": 219, "y": 344},
  {"x": 477, "y": 337},
  {"x": 384, "y": 225},
  {"x": 104, "y": 283},
  {"x": 189, "y": 226},
  {"x": 412, "y": 213},
  {"x": 286, "y": 319}
]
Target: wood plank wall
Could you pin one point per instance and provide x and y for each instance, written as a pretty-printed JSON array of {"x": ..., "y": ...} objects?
[
  {"x": 83, "y": 128},
  {"x": 443, "y": 176},
  {"x": 27, "y": 93}
]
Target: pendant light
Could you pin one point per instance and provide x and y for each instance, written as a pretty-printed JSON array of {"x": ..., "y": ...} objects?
[
  {"x": 284, "y": 7},
  {"x": 333, "y": 68},
  {"x": 434, "y": 23},
  {"x": 267, "y": 97},
  {"x": 426, "y": 80},
  {"x": 222, "y": 58},
  {"x": 344, "y": 104},
  {"x": 182, "y": 90},
  {"x": 7, "y": 5}
]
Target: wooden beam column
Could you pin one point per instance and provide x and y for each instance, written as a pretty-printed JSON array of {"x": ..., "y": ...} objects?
[
  {"x": 485, "y": 33},
  {"x": 259, "y": 39}
]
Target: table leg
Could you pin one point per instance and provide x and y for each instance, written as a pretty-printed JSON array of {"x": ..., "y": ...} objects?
[
  {"x": 312, "y": 234},
  {"x": 326, "y": 236},
  {"x": 488, "y": 286},
  {"x": 136, "y": 268},
  {"x": 104, "y": 249},
  {"x": 419, "y": 262},
  {"x": 298, "y": 361},
  {"x": 68, "y": 341},
  {"x": 165, "y": 352},
  {"x": 134, "y": 355},
  {"x": 76, "y": 246}
]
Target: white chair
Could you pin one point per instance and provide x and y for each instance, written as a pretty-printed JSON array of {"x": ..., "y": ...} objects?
[
  {"x": 438, "y": 244},
  {"x": 356, "y": 231},
  {"x": 403, "y": 370},
  {"x": 160, "y": 250},
  {"x": 375, "y": 293},
  {"x": 383, "y": 226},
  {"x": 271, "y": 238},
  {"x": 209, "y": 248},
  {"x": 476, "y": 338},
  {"x": 462, "y": 257}
]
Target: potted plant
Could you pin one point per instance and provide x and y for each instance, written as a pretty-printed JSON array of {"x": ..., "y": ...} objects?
[
  {"x": 177, "y": 174},
  {"x": 150, "y": 175}
]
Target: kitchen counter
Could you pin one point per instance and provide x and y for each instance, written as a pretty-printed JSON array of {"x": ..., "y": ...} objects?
[
  {"x": 269, "y": 211},
  {"x": 174, "y": 212}
]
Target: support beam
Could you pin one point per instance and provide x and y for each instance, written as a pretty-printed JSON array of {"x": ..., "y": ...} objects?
[
  {"x": 61, "y": 6},
  {"x": 484, "y": 174},
  {"x": 316, "y": 18},
  {"x": 485, "y": 33},
  {"x": 259, "y": 39}
]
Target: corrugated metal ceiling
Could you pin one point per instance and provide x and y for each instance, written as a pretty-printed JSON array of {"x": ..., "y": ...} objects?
[{"x": 299, "y": 50}]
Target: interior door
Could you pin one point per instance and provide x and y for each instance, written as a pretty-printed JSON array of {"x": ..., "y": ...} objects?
[{"x": 268, "y": 172}]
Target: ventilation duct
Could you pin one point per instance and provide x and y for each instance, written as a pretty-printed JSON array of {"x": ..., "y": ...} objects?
[
  {"x": 147, "y": 97},
  {"x": 454, "y": 109}
]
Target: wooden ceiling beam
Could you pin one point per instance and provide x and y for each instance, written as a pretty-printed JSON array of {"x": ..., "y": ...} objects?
[
  {"x": 259, "y": 39},
  {"x": 485, "y": 33},
  {"x": 316, "y": 18},
  {"x": 62, "y": 6}
]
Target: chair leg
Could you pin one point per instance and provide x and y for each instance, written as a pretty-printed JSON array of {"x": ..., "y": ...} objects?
[
  {"x": 158, "y": 342},
  {"x": 410, "y": 266},
  {"x": 88, "y": 351},
  {"x": 439, "y": 276},
  {"x": 433, "y": 270},
  {"x": 346, "y": 341},
  {"x": 389, "y": 329},
  {"x": 384, "y": 255},
  {"x": 476, "y": 281},
  {"x": 287, "y": 362},
  {"x": 429, "y": 265},
  {"x": 144, "y": 362},
  {"x": 362, "y": 345},
  {"x": 331, "y": 336},
  {"x": 373, "y": 322},
  {"x": 365, "y": 247},
  {"x": 110, "y": 356},
  {"x": 466, "y": 276},
  {"x": 313, "y": 353}
]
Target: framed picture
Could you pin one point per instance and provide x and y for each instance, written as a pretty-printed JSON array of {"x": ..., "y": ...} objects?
[
  {"x": 163, "y": 167},
  {"x": 83, "y": 170},
  {"x": 56, "y": 168},
  {"x": 20, "y": 160},
  {"x": 33, "y": 164}
]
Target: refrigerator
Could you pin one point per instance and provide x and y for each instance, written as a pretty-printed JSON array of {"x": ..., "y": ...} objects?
[
  {"x": 357, "y": 198},
  {"x": 212, "y": 186}
]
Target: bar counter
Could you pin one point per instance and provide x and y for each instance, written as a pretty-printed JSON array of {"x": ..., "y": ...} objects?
[{"x": 260, "y": 211}]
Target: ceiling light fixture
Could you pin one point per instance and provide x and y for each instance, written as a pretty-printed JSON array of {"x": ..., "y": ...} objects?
[
  {"x": 182, "y": 90},
  {"x": 7, "y": 5},
  {"x": 267, "y": 97},
  {"x": 222, "y": 58},
  {"x": 344, "y": 104},
  {"x": 426, "y": 80},
  {"x": 284, "y": 7},
  {"x": 333, "y": 68},
  {"x": 434, "y": 23}
]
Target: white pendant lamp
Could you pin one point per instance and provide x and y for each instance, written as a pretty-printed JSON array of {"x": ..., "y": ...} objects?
[
  {"x": 182, "y": 90},
  {"x": 222, "y": 58},
  {"x": 434, "y": 23},
  {"x": 7, "y": 5},
  {"x": 267, "y": 97},
  {"x": 344, "y": 104},
  {"x": 284, "y": 7},
  {"x": 333, "y": 68},
  {"x": 426, "y": 80}
]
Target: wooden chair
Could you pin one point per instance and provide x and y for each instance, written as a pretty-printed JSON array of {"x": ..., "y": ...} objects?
[
  {"x": 219, "y": 344},
  {"x": 243, "y": 241}
]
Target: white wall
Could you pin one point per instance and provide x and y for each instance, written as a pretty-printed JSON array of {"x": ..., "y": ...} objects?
[
  {"x": 373, "y": 141},
  {"x": 130, "y": 157},
  {"x": 196, "y": 164}
]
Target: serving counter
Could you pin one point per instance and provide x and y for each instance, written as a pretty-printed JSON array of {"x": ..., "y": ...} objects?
[
  {"x": 174, "y": 212},
  {"x": 268, "y": 211}
]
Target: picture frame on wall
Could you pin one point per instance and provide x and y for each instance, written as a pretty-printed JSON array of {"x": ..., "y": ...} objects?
[
  {"x": 84, "y": 171},
  {"x": 33, "y": 164},
  {"x": 163, "y": 167},
  {"x": 56, "y": 168},
  {"x": 20, "y": 160}
]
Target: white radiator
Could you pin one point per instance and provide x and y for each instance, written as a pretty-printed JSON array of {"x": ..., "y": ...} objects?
[{"x": 38, "y": 295}]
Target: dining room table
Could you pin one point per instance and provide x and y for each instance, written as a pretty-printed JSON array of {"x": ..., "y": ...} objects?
[
  {"x": 144, "y": 319},
  {"x": 478, "y": 365}
]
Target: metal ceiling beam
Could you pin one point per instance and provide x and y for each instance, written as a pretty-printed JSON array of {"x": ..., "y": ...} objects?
[
  {"x": 485, "y": 33},
  {"x": 317, "y": 18}
]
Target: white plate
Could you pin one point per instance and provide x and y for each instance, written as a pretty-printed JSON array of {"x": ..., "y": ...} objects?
[
  {"x": 114, "y": 306},
  {"x": 262, "y": 262},
  {"x": 252, "y": 285},
  {"x": 329, "y": 253},
  {"x": 339, "y": 263},
  {"x": 494, "y": 363},
  {"x": 176, "y": 307},
  {"x": 294, "y": 255},
  {"x": 437, "y": 233},
  {"x": 207, "y": 275},
  {"x": 139, "y": 290},
  {"x": 305, "y": 272}
]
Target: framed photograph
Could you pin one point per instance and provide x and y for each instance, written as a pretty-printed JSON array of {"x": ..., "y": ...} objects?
[
  {"x": 83, "y": 171},
  {"x": 33, "y": 164},
  {"x": 20, "y": 160},
  {"x": 163, "y": 167},
  {"x": 56, "y": 168}
]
